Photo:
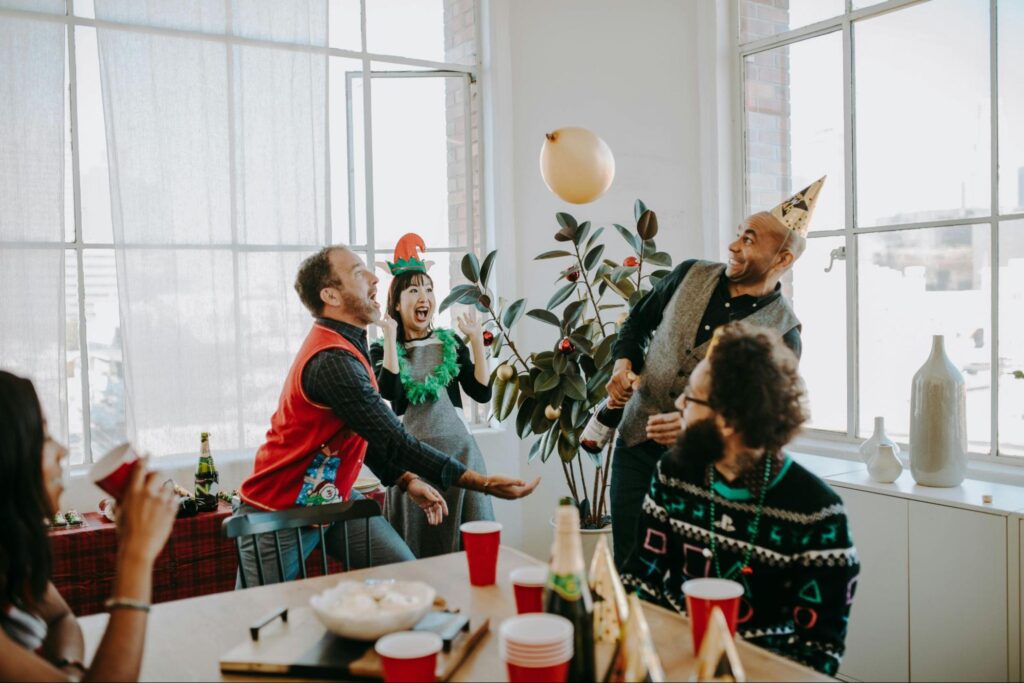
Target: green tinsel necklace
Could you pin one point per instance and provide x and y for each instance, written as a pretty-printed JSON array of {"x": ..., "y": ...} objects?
[
  {"x": 436, "y": 381},
  {"x": 745, "y": 567}
]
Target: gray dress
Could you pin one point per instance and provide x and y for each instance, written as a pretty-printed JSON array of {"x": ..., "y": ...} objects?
[{"x": 439, "y": 424}]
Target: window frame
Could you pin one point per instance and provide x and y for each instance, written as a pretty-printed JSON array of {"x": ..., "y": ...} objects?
[
  {"x": 77, "y": 246},
  {"x": 844, "y": 23}
]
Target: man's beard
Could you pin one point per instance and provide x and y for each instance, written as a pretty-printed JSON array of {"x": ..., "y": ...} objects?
[
  {"x": 361, "y": 308},
  {"x": 701, "y": 444}
]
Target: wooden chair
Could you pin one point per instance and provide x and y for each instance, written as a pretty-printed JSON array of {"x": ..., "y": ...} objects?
[{"x": 296, "y": 519}]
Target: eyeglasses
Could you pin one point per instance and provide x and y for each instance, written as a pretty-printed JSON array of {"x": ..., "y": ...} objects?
[{"x": 693, "y": 399}]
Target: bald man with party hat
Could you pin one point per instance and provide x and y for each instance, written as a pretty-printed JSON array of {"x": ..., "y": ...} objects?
[{"x": 669, "y": 330}]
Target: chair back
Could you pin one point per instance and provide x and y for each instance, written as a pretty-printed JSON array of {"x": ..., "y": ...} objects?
[{"x": 258, "y": 524}]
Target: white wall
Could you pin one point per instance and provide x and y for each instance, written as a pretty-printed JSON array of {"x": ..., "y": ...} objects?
[{"x": 630, "y": 72}]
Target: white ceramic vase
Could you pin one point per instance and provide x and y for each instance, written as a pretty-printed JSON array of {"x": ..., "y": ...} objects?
[
  {"x": 870, "y": 447},
  {"x": 885, "y": 467},
  {"x": 938, "y": 421}
]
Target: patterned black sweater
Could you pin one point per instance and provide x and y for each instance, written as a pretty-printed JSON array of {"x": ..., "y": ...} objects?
[{"x": 798, "y": 597}]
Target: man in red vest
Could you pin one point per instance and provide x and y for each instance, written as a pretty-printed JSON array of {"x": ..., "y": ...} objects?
[{"x": 331, "y": 417}]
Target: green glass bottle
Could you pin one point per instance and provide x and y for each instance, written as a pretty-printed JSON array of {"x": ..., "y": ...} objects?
[
  {"x": 567, "y": 592},
  {"x": 206, "y": 476}
]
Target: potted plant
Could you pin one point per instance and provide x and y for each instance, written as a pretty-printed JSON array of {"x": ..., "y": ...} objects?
[{"x": 553, "y": 391}]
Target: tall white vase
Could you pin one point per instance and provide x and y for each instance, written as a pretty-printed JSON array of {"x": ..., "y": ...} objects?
[
  {"x": 869, "y": 448},
  {"x": 938, "y": 421}
]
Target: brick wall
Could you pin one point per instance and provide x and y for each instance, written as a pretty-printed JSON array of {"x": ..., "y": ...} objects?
[{"x": 460, "y": 47}]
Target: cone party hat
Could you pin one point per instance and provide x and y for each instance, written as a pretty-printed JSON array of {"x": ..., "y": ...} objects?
[{"x": 795, "y": 212}]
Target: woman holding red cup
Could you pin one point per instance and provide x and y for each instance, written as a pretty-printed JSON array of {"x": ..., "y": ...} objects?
[
  {"x": 731, "y": 521},
  {"x": 39, "y": 636}
]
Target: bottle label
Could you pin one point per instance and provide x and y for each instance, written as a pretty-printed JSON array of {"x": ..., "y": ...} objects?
[
  {"x": 566, "y": 586},
  {"x": 595, "y": 435}
]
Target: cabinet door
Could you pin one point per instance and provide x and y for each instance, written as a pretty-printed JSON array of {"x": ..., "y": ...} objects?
[
  {"x": 877, "y": 645},
  {"x": 957, "y": 595}
]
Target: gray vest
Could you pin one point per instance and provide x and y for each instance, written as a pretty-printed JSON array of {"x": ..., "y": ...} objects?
[{"x": 672, "y": 356}]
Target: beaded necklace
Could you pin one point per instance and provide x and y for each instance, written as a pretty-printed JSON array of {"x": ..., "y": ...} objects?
[{"x": 745, "y": 568}]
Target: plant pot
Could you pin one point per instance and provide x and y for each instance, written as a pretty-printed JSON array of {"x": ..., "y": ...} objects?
[{"x": 589, "y": 538}]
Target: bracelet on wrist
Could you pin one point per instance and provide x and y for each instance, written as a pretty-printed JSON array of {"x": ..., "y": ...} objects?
[
  {"x": 126, "y": 603},
  {"x": 68, "y": 663}
]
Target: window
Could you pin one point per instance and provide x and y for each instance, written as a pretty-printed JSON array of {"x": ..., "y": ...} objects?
[
  {"x": 908, "y": 108},
  {"x": 279, "y": 128}
]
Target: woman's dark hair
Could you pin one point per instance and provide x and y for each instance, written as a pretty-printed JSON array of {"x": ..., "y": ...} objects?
[
  {"x": 314, "y": 274},
  {"x": 756, "y": 386},
  {"x": 399, "y": 284},
  {"x": 24, "y": 547}
]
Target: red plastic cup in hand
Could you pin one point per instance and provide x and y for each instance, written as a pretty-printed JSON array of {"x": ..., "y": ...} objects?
[
  {"x": 703, "y": 595},
  {"x": 481, "y": 541},
  {"x": 113, "y": 471},
  {"x": 528, "y": 584},
  {"x": 536, "y": 648},
  {"x": 409, "y": 656}
]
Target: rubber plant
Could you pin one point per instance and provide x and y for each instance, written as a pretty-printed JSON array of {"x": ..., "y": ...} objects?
[{"x": 553, "y": 391}]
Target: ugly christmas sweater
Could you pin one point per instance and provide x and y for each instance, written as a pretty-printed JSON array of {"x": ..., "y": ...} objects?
[{"x": 803, "y": 566}]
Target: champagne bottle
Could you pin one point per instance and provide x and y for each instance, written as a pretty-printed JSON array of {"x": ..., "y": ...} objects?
[
  {"x": 567, "y": 592},
  {"x": 600, "y": 427},
  {"x": 206, "y": 476}
]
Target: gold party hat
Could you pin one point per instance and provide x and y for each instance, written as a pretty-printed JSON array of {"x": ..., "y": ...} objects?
[{"x": 795, "y": 212}]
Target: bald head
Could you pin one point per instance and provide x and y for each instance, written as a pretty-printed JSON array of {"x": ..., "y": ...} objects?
[{"x": 785, "y": 239}]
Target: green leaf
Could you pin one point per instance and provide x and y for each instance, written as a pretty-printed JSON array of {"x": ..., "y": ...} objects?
[
  {"x": 523, "y": 417},
  {"x": 534, "y": 450},
  {"x": 471, "y": 267},
  {"x": 498, "y": 396},
  {"x": 572, "y": 313},
  {"x": 604, "y": 350},
  {"x": 634, "y": 298},
  {"x": 623, "y": 272},
  {"x": 547, "y": 380},
  {"x": 513, "y": 313},
  {"x": 567, "y": 447},
  {"x": 647, "y": 225},
  {"x": 649, "y": 248},
  {"x": 638, "y": 209},
  {"x": 593, "y": 257},
  {"x": 561, "y": 295},
  {"x": 582, "y": 343},
  {"x": 552, "y": 254},
  {"x": 575, "y": 387},
  {"x": 560, "y": 364},
  {"x": 485, "y": 270},
  {"x": 566, "y": 220},
  {"x": 543, "y": 359},
  {"x": 659, "y": 258},
  {"x": 545, "y": 316},
  {"x": 581, "y": 234},
  {"x": 458, "y": 291},
  {"x": 507, "y": 400},
  {"x": 593, "y": 238},
  {"x": 550, "y": 440},
  {"x": 631, "y": 239},
  {"x": 624, "y": 288}
]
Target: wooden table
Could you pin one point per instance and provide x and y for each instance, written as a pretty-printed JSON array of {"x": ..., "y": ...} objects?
[{"x": 186, "y": 638}]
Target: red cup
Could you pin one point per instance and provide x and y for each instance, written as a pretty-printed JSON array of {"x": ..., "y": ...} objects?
[
  {"x": 409, "y": 656},
  {"x": 557, "y": 673},
  {"x": 113, "y": 471},
  {"x": 528, "y": 584},
  {"x": 703, "y": 595},
  {"x": 481, "y": 541}
]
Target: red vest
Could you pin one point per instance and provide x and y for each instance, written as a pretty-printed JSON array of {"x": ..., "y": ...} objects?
[{"x": 310, "y": 457}]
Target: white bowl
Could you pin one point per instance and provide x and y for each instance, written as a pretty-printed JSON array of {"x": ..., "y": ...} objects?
[{"x": 367, "y": 610}]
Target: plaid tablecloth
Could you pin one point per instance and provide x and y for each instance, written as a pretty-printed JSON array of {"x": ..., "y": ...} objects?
[{"x": 197, "y": 560}]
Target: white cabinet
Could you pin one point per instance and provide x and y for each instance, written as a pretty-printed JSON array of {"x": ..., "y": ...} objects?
[
  {"x": 958, "y": 595},
  {"x": 877, "y": 644}
]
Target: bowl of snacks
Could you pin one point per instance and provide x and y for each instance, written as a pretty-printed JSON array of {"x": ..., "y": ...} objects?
[{"x": 367, "y": 610}]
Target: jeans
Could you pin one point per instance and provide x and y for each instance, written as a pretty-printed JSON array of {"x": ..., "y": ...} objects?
[
  {"x": 386, "y": 546},
  {"x": 632, "y": 469}
]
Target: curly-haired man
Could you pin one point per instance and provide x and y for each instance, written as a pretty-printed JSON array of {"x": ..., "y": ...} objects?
[{"x": 729, "y": 503}]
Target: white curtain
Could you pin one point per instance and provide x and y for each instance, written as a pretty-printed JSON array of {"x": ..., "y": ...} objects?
[
  {"x": 32, "y": 310},
  {"x": 217, "y": 157}
]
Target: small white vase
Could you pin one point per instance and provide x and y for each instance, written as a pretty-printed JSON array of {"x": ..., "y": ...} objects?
[
  {"x": 870, "y": 447},
  {"x": 884, "y": 467},
  {"x": 938, "y": 421}
]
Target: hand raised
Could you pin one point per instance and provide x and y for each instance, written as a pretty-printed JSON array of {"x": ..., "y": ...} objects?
[
  {"x": 469, "y": 324},
  {"x": 665, "y": 428},
  {"x": 146, "y": 514}
]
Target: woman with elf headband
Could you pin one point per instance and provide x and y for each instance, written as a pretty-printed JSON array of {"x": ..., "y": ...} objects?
[{"x": 420, "y": 369}]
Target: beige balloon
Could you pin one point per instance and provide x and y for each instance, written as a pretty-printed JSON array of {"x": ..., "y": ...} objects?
[{"x": 576, "y": 165}]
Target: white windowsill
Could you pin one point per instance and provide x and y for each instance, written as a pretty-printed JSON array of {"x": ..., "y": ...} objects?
[{"x": 839, "y": 464}]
